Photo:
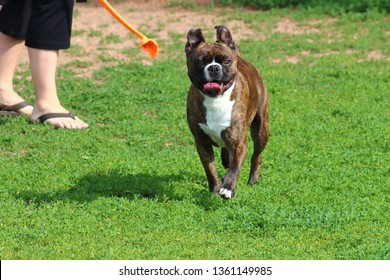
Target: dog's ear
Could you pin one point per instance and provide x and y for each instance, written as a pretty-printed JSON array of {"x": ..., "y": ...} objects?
[
  {"x": 224, "y": 36},
  {"x": 194, "y": 39}
]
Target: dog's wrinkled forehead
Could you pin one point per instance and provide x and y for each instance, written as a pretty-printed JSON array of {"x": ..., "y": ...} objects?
[{"x": 213, "y": 51}]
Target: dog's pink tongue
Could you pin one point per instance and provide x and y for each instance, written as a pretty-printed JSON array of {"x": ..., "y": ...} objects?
[{"x": 212, "y": 87}]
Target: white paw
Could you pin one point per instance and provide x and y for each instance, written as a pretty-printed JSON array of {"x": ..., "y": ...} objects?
[{"x": 225, "y": 193}]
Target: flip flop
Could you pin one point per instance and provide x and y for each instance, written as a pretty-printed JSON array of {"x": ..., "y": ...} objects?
[
  {"x": 45, "y": 117},
  {"x": 13, "y": 109},
  {"x": 48, "y": 116}
]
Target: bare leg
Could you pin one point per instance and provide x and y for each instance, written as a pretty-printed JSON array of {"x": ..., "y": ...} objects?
[
  {"x": 10, "y": 49},
  {"x": 43, "y": 70}
]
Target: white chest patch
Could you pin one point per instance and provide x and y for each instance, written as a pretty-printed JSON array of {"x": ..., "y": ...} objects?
[{"x": 218, "y": 115}]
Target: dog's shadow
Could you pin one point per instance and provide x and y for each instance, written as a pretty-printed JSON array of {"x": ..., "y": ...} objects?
[{"x": 113, "y": 184}]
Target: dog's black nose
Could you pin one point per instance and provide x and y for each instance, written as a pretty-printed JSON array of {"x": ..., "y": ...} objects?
[{"x": 214, "y": 69}]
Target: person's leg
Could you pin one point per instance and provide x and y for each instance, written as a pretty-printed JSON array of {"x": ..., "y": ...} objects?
[
  {"x": 43, "y": 71},
  {"x": 9, "y": 54},
  {"x": 49, "y": 31}
]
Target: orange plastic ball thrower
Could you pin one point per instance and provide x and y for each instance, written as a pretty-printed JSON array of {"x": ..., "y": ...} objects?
[{"x": 148, "y": 45}]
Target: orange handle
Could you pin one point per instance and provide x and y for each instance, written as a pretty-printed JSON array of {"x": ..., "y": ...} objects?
[{"x": 118, "y": 17}]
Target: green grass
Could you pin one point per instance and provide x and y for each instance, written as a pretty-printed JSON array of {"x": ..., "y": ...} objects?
[
  {"x": 132, "y": 187},
  {"x": 112, "y": 38}
]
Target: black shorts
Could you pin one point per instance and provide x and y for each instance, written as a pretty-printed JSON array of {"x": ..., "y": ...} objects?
[{"x": 42, "y": 24}]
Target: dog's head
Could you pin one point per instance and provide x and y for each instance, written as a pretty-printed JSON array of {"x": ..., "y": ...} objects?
[{"x": 212, "y": 67}]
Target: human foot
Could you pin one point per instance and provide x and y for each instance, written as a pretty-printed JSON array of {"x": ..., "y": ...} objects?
[
  {"x": 60, "y": 118},
  {"x": 11, "y": 104},
  {"x": 14, "y": 110}
]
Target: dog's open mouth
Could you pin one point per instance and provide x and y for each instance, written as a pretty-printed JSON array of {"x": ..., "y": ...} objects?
[{"x": 215, "y": 88}]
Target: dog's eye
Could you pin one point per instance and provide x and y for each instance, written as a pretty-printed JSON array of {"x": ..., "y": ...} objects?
[{"x": 226, "y": 61}]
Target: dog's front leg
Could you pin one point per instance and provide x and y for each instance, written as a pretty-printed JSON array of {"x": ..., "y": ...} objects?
[
  {"x": 237, "y": 157},
  {"x": 206, "y": 155}
]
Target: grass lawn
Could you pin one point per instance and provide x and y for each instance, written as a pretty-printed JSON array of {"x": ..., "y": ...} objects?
[{"x": 132, "y": 186}]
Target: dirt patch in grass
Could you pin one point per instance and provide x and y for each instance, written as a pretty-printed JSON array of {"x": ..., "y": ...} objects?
[{"x": 98, "y": 39}]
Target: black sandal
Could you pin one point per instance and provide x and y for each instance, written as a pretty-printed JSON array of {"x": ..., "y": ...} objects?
[
  {"x": 45, "y": 117},
  {"x": 13, "y": 109}
]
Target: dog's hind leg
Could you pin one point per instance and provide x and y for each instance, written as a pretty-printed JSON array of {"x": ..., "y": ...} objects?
[
  {"x": 225, "y": 157},
  {"x": 259, "y": 133}
]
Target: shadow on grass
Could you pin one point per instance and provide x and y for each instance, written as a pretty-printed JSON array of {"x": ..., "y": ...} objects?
[
  {"x": 158, "y": 188},
  {"x": 113, "y": 184}
]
